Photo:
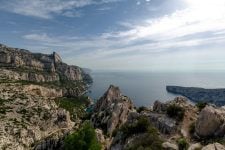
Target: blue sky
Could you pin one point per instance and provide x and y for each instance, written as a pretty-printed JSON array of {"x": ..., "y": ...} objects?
[{"x": 142, "y": 35}]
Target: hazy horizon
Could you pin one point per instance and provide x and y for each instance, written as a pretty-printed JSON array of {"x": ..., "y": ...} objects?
[{"x": 132, "y": 35}]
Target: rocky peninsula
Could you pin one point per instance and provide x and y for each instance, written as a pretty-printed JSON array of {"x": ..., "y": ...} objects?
[{"x": 214, "y": 96}]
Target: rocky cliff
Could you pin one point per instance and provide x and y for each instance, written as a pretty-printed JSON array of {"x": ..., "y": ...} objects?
[
  {"x": 111, "y": 110},
  {"x": 19, "y": 64},
  {"x": 32, "y": 115}
]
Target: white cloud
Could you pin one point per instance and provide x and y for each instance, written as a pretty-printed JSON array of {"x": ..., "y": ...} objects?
[
  {"x": 181, "y": 23},
  {"x": 73, "y": 14},
  {"x": 40, "y": 38},
  {"x": 189, "y": 38},
  {"x": 47, "y": 8}
]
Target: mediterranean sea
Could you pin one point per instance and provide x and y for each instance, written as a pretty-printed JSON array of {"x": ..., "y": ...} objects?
[{"x": 146, "y": 87}]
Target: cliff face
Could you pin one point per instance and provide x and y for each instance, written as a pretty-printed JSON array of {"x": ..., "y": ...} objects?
[
  {"x": 20, "y": 64},
  {"x": 13, "y": 57}
]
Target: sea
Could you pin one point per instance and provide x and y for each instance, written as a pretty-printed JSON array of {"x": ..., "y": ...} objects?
[{"x": 146, "y": 87}]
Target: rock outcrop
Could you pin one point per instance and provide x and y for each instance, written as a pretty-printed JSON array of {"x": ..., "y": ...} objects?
[
  {"x": 195, "y": 146},
  {"x": 168, "y": 125},
  {"x": 210, "y": 122},
  {"x": 22, "y": 65},
  {"x": 159, "y": 107},
  {"x": 111, "y": 110},
  {"x": 163, "y": 123},
  {"x": 13, "y": 57},
  {"x": 28, "y": 76},
  {"x": 214, "y": 146},
  {"x": 169, "y": 146}
]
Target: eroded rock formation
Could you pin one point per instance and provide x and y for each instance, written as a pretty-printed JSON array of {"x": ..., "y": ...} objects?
[{"x": 112, "y": 110}]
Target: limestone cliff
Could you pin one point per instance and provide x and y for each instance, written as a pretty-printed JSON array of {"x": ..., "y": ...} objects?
[
  {"x": 20, "y": 64},
  {"x": 31, "y": 85}
]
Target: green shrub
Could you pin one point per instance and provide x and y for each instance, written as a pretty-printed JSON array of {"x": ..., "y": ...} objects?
[
  {"x": 140, "y": 126},
  {"x": 201, "y": 105},
  {"x": 182, "y": 144},
  {"x": 2, "y": 110},
  {"x": 2, "y": 101},
  {"x": 176, "y": 112},
  {"x": 83, "y": 139},
  {"x": 140, "y": 109},
  {"x": 76, "y": 106},
  {"x": 192, "y": 128},
  {"x": 115, "y": 131},
  {"x": 150, "y": 138},
  {"x": 150, "y": 141}
]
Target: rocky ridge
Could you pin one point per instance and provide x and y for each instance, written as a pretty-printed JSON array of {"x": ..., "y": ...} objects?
[{"x": 22, "y": 65}]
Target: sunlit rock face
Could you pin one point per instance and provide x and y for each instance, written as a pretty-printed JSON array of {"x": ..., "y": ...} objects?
[
  {"x": 111, "y": 110},
  {"x": 23, "y": 60},
  {"x": 19, "y": 64},
  {"x": 12, "y": 57}
]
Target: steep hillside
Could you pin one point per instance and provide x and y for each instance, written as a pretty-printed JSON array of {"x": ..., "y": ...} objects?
[{"x": 40, "y": 99}]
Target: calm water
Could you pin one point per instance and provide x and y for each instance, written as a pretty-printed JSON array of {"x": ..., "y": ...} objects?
[{"x": 144, "y": 88}]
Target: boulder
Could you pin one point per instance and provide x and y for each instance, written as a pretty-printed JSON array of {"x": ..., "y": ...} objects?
[
  {"x": 214, "y": 146},
  {"x": 195, "y": 146},
  {"x": 210, "y": 122},
  {"x": 163, "y": 123},
  {"x": 159, "y": 107},
  {"x": 169, "y": 146}
]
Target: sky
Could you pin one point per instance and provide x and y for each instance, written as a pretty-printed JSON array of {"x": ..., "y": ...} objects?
[{"x": 137, "y": 35}]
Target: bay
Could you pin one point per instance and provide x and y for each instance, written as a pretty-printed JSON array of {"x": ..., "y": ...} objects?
[{"x": 146, "y": 87}]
